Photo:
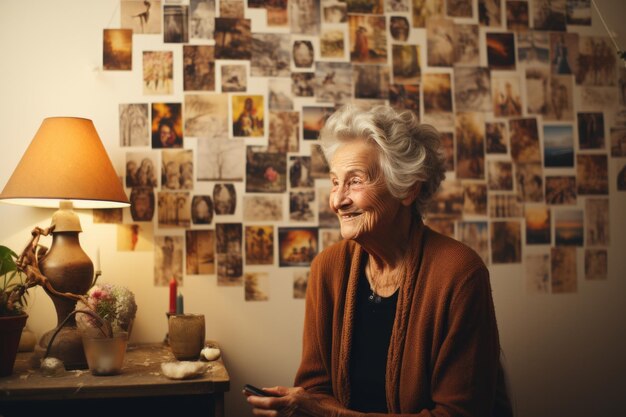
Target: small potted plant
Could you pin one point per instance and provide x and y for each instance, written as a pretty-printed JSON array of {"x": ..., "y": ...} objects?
[{"x": 13, "y": 292}]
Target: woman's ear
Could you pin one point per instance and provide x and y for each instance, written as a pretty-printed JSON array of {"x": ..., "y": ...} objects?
[{"x": 412, "y": 195}]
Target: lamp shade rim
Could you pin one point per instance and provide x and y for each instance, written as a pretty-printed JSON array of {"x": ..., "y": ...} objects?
[{"x": 54, "y": 202}]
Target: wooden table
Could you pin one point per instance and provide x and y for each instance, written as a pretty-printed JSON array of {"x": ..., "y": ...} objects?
[{"x": 141, "y": 386}]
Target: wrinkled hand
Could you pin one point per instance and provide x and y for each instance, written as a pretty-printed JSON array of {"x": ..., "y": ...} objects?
[{"x": 294, "y": 402}]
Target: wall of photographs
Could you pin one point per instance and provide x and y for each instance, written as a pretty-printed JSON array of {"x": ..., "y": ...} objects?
[{"x": 223, "y": 158}]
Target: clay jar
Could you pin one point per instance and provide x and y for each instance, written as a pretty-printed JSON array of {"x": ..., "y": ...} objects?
[{"x": 186, "y": 335}]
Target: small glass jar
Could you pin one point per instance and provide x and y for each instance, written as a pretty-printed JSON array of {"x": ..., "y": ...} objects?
[{"x": 105, "y": 355}]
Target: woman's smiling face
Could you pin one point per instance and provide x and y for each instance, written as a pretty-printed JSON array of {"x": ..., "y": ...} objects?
[{"x": 359, "y": 195}]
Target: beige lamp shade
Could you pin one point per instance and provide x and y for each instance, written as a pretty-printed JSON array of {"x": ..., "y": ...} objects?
[{"x": 65, "y": 161}]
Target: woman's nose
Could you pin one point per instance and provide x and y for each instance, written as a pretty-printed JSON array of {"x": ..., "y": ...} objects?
[{"x": 340, "y": 198}]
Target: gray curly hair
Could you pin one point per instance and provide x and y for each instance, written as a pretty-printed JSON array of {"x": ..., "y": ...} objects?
[{"x": 409, "y": 152}]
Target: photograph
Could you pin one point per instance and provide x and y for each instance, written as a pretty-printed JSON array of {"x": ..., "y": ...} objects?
[
  {"x": 592, "y": 174},
  {"x": 259, "y": 245},
  {"x": 231, "y": 9},
  {"x": 277, "y": 14},
  {"x": 304, "y": 17},
  {"x": 591, "y": 131},
  {"x": 448, "y": 200},
  {"x": 558, "y": 101},
  {"x": 206, "y": 115},
  {"x": 440, "y": 51},
  {"x": 405, "y": 97},
  {"x": 261, "y": 208},
  {"x": 621, "y": 178},
  {"x": 549, "y": 15},
  {"x": 201, "y": 19},
  {"x": 537, "y": 272},
  {"x": 506, "y": 96},
  {"x": 168, "y": 260},
  {"x": 297, "y": 245},
  {"x": 142, "y": 204},
  {"x": 371, "y": 81},
  {"x": 135, "y": 237},
  {"x": 476, "y": 236},
  {"x": 399, "y": 27},
  {"x": 501, "y": 50},
  {"x": 284, "y": 134},
  {"x": 333, "y": 82},
  {"x": 447, "y": 145},
  {"x": 302, "y": 206},
  {"x": 198, "y": 68},
  {"x": 475, "y": 198},
  {"x": 597, "y": 229},
  {"x": 506, "y": 242},
  {"x": 300, "y": 282},
  {"x": 201, "y": 209},
  {"x": 167, "y": 125},
  {"x": 558, "y": 146},
  {"x": 499, "y": 175},
  {"x": 334, "y": 11},
  {"x": 271, "y": 55},
  {"x": 175, "y": 24},
  {"x": 466, "y": 45},
  {"x": 444, "y": 226},
  {"x": 533, "y": 48},
  {"x": 233, "y": 39},
  {"x": 496, "y": 138},
  {"x": 490, "y": 13},
  {"x": 529, "y": 182},
  {"x": 618, "y": 141},
  {"x": 134, "y": 124},
  {"x": 224, "y": 199},
  {"x": 563, "y": 270},
  {"x": 257, "y": 286},
  {"x": 332, "y": 43},
  {"x": 563, "y": 53},
  {"x": 141, "y": 16},
  {"x": 300, "y": 172},
  {"x": 141, "y": 169},
  {"x": 365, "y": 6},
  {"x": 303, "y": 84},
  {"x": 228, "y": 247},
  {"x": 302, "y": 54},
  {"x": 524, "y": 140},
  {"x": 538, "y": 225},
  {"x": 221, "y": 159},
  {"x": 597, "y": 61},
  {"x": 248, "y": 115},
  {"x": 368, "y": 39},
  {"x": 158, "y": 72},
  {"x": 406, "y": 67},
  {"x": 200, "y": 252},
  {"x": 177, "y": 169},
  {"x": 561, "y": 190},
  {"x": 330, "y": 237},
  {"x": 596, "y": 264},
  {"x": 437, "y": 90},
  {"x": 319, "y": 165},
  {"x": 503, "y": 205},
  {"x": 280, "y": 96},
  {"x": 108, "y": 216},
  {"x": 265, "y": 172},
  {"x": 326, "y": 215},
  {"x": 234, "y": 78},
  {"x": 424, "y": 10},
  {"x": 470, "y": 145},
  {"x": 472, "y": 89},
  {"x": 568, "y": 227},
  {"x": 578, "y": 12},
  {"x": 517, "y": 15},
  {"x": 174, "y": 208},
  {"x": 117, "y": 49},
  {"x": 459, "y": 8},
  {"x": 622, "y": 87}
]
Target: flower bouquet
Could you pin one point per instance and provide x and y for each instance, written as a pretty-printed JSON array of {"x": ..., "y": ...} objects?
[{"x": 113, "y": 303}]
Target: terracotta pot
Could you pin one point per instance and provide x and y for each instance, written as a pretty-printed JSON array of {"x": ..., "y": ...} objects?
[
  {"x": 10, "y": 333},
  {"x": 186, "y": 335}
]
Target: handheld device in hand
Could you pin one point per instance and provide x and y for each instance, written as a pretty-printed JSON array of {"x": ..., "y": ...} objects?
[{"x": 257, "y": 391}]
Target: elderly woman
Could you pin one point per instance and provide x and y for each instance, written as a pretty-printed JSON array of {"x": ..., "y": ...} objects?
[{"x": 399, "y": 319}]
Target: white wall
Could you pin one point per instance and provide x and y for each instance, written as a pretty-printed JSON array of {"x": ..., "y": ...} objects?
[{"x": 565, "y": 353}]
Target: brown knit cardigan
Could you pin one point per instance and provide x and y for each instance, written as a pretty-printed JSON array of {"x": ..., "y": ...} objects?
[{"x": 444, "y": 351}]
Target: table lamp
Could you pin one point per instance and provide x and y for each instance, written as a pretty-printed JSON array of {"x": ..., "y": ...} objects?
[{"x": 65, "y": 167}]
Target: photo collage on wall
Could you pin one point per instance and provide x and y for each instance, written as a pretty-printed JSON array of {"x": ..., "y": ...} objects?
[{"x": 226, "y": 178}]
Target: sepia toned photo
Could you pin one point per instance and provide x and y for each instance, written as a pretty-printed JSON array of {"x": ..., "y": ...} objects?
[
  {"x": 549, "y": 15},
  {"x": 303, "y": 84},
  {"x": 438, "y": 100},
  {"x": 405, "y": 64},
  {"x": 224, "y": 198},
  {"x": 591, "y": 131},
  {"x": 466, "y": 45},
  {"x": 597, "y": 61},
  {"x": 141, "y": 16},
  {"x": 597, "y": 230},
  {"x": 368, "y": 39},
  {"x": 538, "y": 225},
  {"x": 561, "y": 190},
  {"x": 326, "y": 215},
  {"x": 592, "y": 174},
  {"x": 248, "y": 115},
  {"x": 506, "y": 96},
  {"x": 167, "y": 125},
  {"x": 533, "y": 48},
  {"x": 475, "y": 198},
  {"x": 470, "y": 145},
  {"x": 506, "y": 242},
  {"x": 201, "y": 209},
  {"x": 371, "y": 81},
  {"x": 618, "y": 141},
  {"x": 440, "y": 50},
  {"x": 444, "y": 226},
  {"x": 517, "y": 15},
  {"x": 177, "y": 169},
  {"x": 501, "y": 50},
  {"x": 117, "y": 49},
  {"x": 447, "y": 146},
  {"x": 221, "y": 159},
  {"x": 233, "y": 39},
  {"x": 257, "y": 286},
  {"x": 135, "y": 237},
  {"x": 300, "y": 283},
  {"x": 558, "y": 146},
  {"x": 563, "y": 270},
  {"x": 490, "y": 13},
  {"x": 232, "y": 9},
  {"x": 399, "y": 27},
  {"x": 300, "y": 172},
  {"x": 200, "y": 252},
  {"x": 334, "y": 11},
  {"x": 596, "y": 264},
  {"x": 396, "y": 6},
  {"x": 280, "y": 96},
  {"x": 496, "y": 138},
  {"x": 142, "y": 204},
  {"x": 330, "y": 237},
  {"x": 405, "y": 97},
  {"x": 302, "y": 206},
  {"x": 424, "y": 10},
  {"x": 259, "y": 245},
  {"x": 365, "y": 6},
  {"x": 524, "y": 139},
  {"x": 304, "y": 17},
  {"x": 459, "y": 8},
  {"x": 229, "y": 248},
  {"x": 297, "y": 245},
  {"x": 302, "y": 54},
  {"x": 284, "y": 135},
  {"x": 234, "y": 78},
  {"x": 260, "y": 208},
  {"x": 333, "y": 82},
  {"x": 108, "y": 216},
  {"x": 621, "y": 178},
  {"x": 472, "y": 89},
  {"x": 499, "y": 175},
  {"x": 563, "y": 53},
  {"x": 271, "y": 55},
  {"x": 447, "y": 201},
  {"x": 198, "y": 68},
  {"x": 201, "y": 19},
  {"x": 134, "y": 125},
  {"x": 313, "y": 119},
  {"x": 537, "y": 272},
  {"x": 277, "y": 13},
  {"x": 529, "y": 181},
  {"x": 168, "y": 260},
  {"x": 206, "y": 115},
  {"x": 175, "y": 24},
  {"x": 141, "y": 169},
  {"x": 174, "y": 208},
  {"x": 505, "y": 205},
  {"x": 265, "y": 172},
  {"x": 319, "y": 165},
  {"x": 158, "y": 72},
  {"x": 578, "y": 12},
  {"x": 476, "y": 236},
  {"x": 568, "y": 227},
  {"x": 332, "y": 43}
]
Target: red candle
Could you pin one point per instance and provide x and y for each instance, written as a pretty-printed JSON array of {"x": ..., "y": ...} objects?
[{"x": 173, "y": 285}]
